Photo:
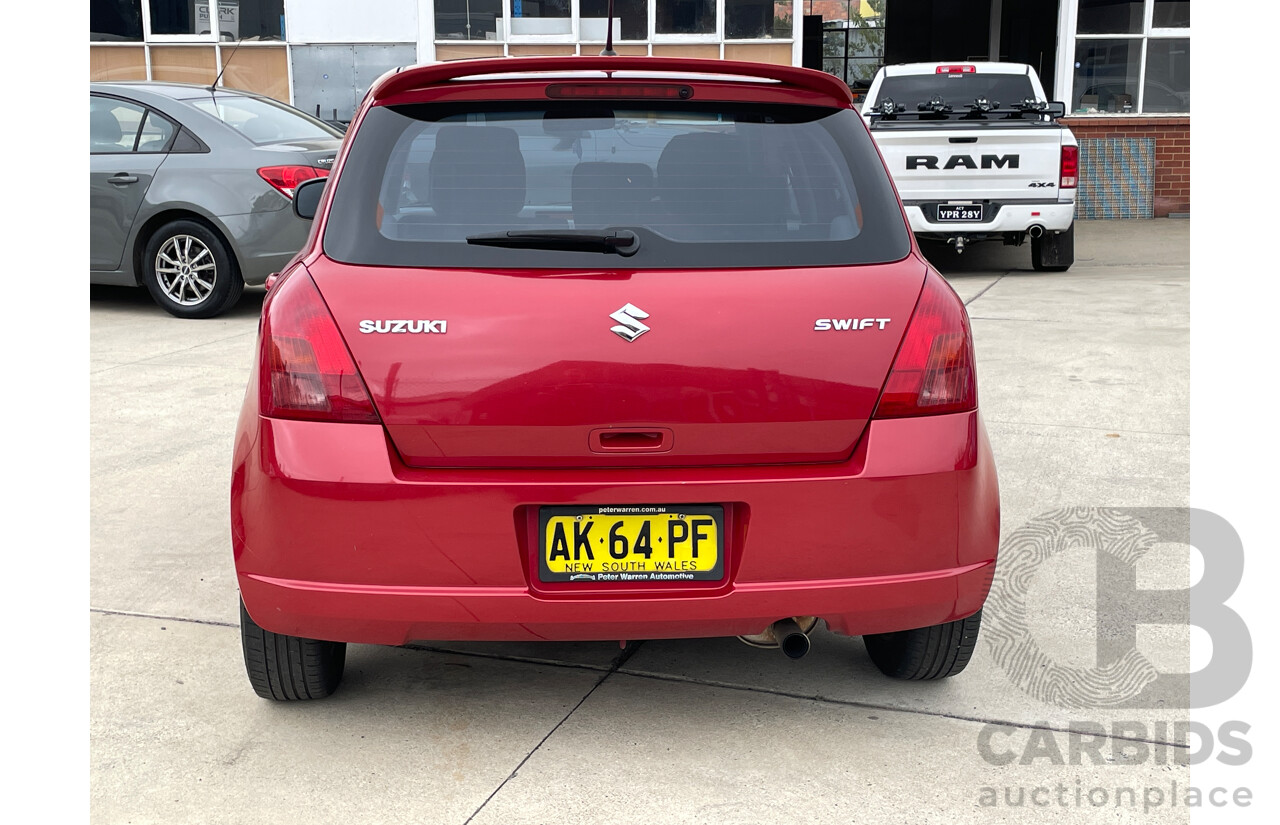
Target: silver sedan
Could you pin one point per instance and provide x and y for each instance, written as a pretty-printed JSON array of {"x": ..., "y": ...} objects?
[{"x": 190, "y": 189}]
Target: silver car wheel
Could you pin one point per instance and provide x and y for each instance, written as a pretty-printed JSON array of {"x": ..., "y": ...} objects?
[{"x": 186, "y": 270}]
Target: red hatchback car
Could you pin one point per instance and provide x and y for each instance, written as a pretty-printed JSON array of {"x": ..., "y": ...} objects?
[{"x": 609, "y": 348}]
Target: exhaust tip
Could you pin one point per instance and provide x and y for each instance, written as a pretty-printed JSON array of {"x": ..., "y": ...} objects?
[
  {"x": 1036, "y": 231},
  {"x": 792, "y": 641},
  {"x": 795, "y": 646}
]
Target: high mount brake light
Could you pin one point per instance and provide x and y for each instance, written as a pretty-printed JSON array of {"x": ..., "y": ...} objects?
[
  {"x": 305, "y": 371},
  {"x": 956, "y": 69},
  {"x": 933, "y": 371},
  {"x": 285, "y": 179},
  {"x": 598, "y": 91},
  {"x": 1070, "y": 167}
]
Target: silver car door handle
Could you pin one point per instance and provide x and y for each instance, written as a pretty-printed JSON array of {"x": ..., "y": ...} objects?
[{"x": 122, "y": 179}]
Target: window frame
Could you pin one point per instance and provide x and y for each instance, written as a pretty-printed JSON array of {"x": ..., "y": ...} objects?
[
  {"x": 653, "y": 36},
  {"x": 214, "y": 35},
  {"x": 716, "y": 36},
  {"x": 557, "y": 37},
  {"x": 147, "y": 111},
  {"x": 1067, "y": 70}
]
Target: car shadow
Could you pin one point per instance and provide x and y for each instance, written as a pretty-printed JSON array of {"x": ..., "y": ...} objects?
[
  {"x": 985, "y": 258},
  {"x": 136, "y": 300}
]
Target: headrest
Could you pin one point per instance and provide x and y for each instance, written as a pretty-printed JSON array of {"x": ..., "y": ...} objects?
[
  {"x": 700, "y": 156},
  {"x": 705, "y": 180},
  {"x": 103, "y": 127},
  {"x": 477, "y": 174},
  {"x": 260, "y": 130}
]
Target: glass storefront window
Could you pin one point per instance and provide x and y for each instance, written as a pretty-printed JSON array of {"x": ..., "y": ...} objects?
[
  {"x": 686, "y": 16},
  {"x": 1171, "y": 14},
  {"x": 541, "y": 17},
  {"x": 251, "y": 19},
  {"x": 236, "y": 19},
  {"x": 469, "y": 20},
  {"x": 853, "y": 47},
  {"x": 1106, "y": 78},
  {"x": 1138, "y": 68},
  {"x": 1167, "y": 86},
  {"x": 632, "y": 17},
  {"x": 755, "y": 19},
  {"x": 115, "y": 20},
  {"x": 1110, "y": 17}
]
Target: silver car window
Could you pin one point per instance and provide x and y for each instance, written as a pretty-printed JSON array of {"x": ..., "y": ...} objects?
[
  {"x": 113, "y": 125},
  {"x": 156, "y": 132},
  {"x": 263, "y": 121}
]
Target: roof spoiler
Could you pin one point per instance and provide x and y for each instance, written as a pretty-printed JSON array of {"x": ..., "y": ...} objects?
[{"x": 420, "y": 77}]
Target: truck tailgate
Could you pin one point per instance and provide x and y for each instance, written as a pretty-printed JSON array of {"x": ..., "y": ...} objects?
[{"x": 947, "y": 163}]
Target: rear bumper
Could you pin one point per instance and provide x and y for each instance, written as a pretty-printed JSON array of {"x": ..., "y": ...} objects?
[
  {"x": 265, "y": 241},
  {"x": 335, "y": 539},
  {"x": 1012, "y": 217}
]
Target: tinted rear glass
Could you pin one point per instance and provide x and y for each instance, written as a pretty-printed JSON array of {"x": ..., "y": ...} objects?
[
  {"x": 264, "y": 121},
  {"x": 701, "y": 185},
  {"x": 956, "y": 89}
]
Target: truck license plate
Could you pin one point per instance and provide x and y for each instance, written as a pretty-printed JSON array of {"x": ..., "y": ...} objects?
[{"x": 959, "y": 211}]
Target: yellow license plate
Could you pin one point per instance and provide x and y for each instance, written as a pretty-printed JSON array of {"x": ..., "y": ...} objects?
[{"x": 652, "y": 543}]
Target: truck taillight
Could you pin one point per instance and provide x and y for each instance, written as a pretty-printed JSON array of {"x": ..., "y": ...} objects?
[
  {"x": 1070, "y": 173},
  {"x": 933, "y": 372},
  {"x": 285, "y": 179},
  {"x": 304, "y": 368},
  {"x": 966, "y": 69}
]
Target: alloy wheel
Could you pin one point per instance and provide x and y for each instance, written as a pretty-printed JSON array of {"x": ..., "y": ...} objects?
[{"x": 186, "y": 270}]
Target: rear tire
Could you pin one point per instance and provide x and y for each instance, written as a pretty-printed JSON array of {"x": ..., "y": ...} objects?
[
  {"x": 1054, "y": 251},
  {"x": 289, "y": 668},
  {"x": 190, "y": 271},
  {"x": 925, "y": 653}
]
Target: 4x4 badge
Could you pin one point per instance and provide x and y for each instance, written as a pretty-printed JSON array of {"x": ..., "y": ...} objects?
[{"x": 629, "y": 326}]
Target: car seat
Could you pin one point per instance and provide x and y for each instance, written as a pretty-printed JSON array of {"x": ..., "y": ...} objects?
[
  {"x": 477, "y": 176},
  {"x": 104, "y": 132},
  {"x": 709, "y": 190}
]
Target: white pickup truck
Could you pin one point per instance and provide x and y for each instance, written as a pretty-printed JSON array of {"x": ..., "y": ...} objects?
[{"x": 978, "y": 154}]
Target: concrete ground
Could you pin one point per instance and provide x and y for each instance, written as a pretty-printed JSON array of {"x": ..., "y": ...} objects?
[{"x": 1084, "y": 382}]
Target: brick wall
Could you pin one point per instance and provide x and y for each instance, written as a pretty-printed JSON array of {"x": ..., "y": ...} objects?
[{"x": 1172, "y": 136}]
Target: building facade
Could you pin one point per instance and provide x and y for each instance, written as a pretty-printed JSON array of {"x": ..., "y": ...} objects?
[{"x": 1121, "y": 66}]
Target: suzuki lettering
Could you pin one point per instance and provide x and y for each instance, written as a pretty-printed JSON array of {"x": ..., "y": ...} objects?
[{"x": 402, "y": 325}]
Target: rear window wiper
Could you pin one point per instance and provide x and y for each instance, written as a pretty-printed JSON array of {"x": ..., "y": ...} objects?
[{"x": 621, "y": 242}]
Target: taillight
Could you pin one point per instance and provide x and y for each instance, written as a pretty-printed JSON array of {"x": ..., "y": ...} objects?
[
  {"x": 933, "y": 371},
  {"x": 285, "y": 179},
  {"x": 305, "y": 370},
  {"x": 1070, "y": 167}
]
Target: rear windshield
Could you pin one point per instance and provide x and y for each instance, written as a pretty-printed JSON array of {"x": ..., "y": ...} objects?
[
  {"x": 699, "y": 185},
  {"x": 956, "y": 89},
  {"x": 264, "y": 121}
]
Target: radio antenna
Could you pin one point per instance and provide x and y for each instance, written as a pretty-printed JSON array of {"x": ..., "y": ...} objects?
[
  {"x": 231, "y": 56},
  {"x": 608, "y": 39}
]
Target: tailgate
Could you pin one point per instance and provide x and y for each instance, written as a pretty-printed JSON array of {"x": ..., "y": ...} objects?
[
  {"x": 511, "y": 369},
  {"x": 941, "y": 163}
]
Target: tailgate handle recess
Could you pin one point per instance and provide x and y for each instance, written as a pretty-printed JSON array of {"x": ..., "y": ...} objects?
[
  {"x": 632, "y": 440},
  {"x": 963, "y": 140}
]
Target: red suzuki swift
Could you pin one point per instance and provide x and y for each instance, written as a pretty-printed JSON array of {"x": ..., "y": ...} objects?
[{"x": 609, "y": 348}]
